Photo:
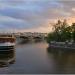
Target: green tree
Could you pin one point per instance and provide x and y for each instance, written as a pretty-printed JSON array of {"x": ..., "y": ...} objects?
[
  {"x": 66, "y": 34},
  {"x": 62, "y": 32},
  {"x": 73, "y": 31}
]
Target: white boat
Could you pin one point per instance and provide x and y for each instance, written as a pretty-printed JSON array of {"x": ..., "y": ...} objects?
[{"x": 7, "y": 42}]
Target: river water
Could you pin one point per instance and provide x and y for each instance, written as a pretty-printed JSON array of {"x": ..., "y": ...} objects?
[{"x": 35, "y": 58}]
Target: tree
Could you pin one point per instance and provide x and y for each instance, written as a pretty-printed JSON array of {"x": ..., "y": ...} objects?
[
  {"x": 73, "y": 31},
  {"x": 56, "y": 26},
  {"x": 62, "y": 32},
  {"x": 54, "y": 36},
  {"x": 66, "y": 34}
]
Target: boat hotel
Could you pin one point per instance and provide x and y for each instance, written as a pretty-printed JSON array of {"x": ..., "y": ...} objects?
[{"x": 7, "y": 42}]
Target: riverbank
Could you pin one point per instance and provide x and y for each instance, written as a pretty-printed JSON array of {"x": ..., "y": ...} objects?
[{"x": 62, "y": 45}]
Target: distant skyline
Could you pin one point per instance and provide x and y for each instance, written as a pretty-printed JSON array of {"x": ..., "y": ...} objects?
[{"x": 34, "y": 15}]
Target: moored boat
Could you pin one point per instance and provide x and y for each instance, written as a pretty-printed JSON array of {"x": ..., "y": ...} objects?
[
  {"x": 62, "y": 45},
  {"x": 7, "y": 42}
]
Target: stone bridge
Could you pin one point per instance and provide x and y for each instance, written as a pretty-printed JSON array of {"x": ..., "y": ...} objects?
[
  {"x": 31, "y": 36},
  {"x": 27, "y": 36}
]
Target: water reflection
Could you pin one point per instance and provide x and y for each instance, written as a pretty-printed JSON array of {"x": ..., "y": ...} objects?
[
  {"x": 65, "y": 61},
  {"x": 7, "y": 58},
  {"x": 38, "y": 40},
  {"x": 22, "y": 42}
]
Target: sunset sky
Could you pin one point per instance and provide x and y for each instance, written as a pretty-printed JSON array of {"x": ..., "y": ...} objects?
[{"x": 34, "y": 15}]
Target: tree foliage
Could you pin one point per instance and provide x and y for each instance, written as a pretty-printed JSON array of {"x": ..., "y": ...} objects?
[{"x": 62, "y": 32}]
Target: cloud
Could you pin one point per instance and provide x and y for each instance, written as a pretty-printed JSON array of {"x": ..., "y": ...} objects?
[{"x": 29, "y": 15}]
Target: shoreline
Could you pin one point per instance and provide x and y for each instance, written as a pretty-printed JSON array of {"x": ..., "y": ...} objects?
[{"x": 62, "y": 45}]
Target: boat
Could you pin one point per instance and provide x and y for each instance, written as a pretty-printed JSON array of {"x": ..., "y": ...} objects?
[
  {"x": 7, "y": 42},
  {"x": 62, "y": 46}
]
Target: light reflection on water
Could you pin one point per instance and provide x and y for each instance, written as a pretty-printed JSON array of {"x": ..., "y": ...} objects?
[{"x": 36, "y": 58}]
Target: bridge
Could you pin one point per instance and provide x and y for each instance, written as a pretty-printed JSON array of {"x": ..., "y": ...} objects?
[{"x": 28, "y": 36}]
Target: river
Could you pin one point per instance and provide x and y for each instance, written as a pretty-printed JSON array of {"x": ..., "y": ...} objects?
[{"x": 34, "y": 58}]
